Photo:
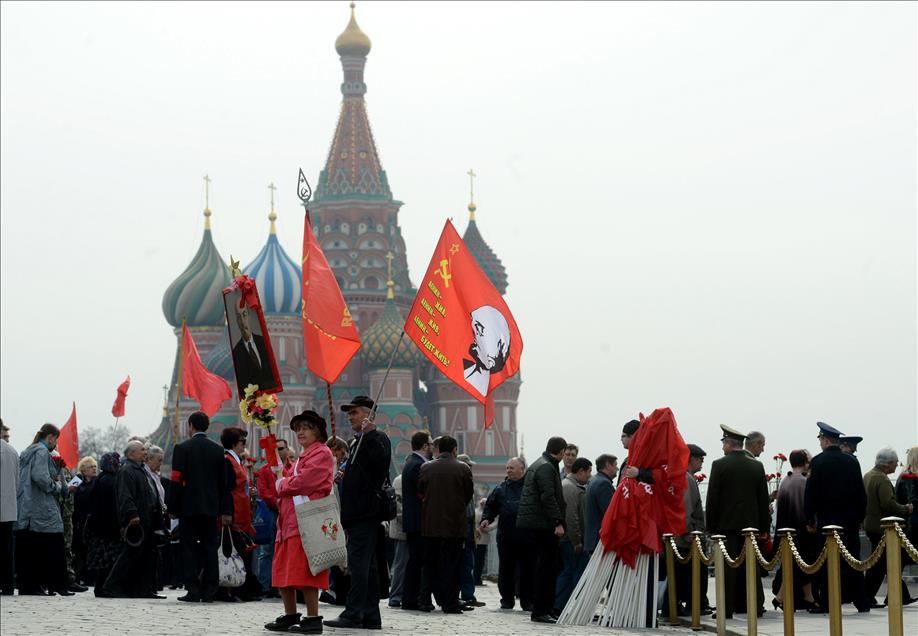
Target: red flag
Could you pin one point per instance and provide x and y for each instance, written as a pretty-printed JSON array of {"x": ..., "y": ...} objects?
[
  {"x": 68, "y": 444},
  {"x": 209, "y": 389},
  {"x": 118, "y": 406},
  {"x": 461, "y": 323},
  {"x": 640, "y": 513},
  {"x": 330, "y": 338}
]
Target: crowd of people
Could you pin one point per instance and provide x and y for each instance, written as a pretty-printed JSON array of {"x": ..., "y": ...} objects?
[{"x": 119, "y": 526}]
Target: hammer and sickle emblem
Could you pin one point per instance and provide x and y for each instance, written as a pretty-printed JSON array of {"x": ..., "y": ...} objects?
[{"x": 444, "y": 272}]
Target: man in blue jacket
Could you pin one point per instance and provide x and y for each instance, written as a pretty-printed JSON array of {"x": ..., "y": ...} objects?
[
  {"x": 421, "y": 452},
  {"x": 599, "y": 493},
  {"x": 512, "y": 550}
]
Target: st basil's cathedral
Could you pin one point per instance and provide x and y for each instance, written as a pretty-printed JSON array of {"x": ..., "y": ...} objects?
[{"x": 355, "y": 218}]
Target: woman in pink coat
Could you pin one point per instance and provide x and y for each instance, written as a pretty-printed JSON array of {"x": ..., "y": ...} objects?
[{"x": 309, "y": 476}]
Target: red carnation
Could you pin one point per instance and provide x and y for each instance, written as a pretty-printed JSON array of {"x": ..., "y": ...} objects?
[{"x": 700, "y": 477}]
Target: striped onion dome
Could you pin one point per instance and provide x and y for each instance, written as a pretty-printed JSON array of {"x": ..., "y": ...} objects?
[
  {"x": 219, "y": 360},
  {"x": 196, "y": 295},
  {"x": 483, "y": 253},
  {"x": 380, "y": 340},
  {"x": 278, "y": 277}
]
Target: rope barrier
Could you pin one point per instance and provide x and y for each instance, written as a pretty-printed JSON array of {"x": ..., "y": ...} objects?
[
  {"x": 678, "y": 556},
  {"x": 866, "y": 564},
  {"x": 707, "y": 560},
  {"x": 909, "y": 548},
  {"x": 805, "y": 567},
  {"x": 768, "y": 565},
  {"x": 733, "y": 563}
]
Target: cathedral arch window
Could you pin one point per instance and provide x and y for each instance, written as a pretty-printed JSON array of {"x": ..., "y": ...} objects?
[
  {"x": 489, "y": 443},
  {"x": 505, "y": 417},
  {"x": 472, "y": 421},
  {"x": 371, "y": 282},
  {"x": 341, "y": 283},
  {"x": 362, "y": 228},
  {"x": 345, "y": 228}
]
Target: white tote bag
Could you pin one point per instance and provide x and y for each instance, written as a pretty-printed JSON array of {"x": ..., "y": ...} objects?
[
  {"x": 319, "y": 524},
  {"x": 231, "y": 568}
]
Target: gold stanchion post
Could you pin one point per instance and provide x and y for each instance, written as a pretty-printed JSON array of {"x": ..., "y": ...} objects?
[
  {"x": 834, "y": 574},
  {"x": 696, "y": 581},
  {"x": 671, "y": 579},
  {"x": 720, "y": 593},
  {"x": 752, "y": 571},
  {"x": 787, "y": 579},
  {"x": 893, "y": 575}
]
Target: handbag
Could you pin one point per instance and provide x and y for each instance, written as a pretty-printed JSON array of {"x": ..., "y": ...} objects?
[
  {"x": 319, "y": 525},
  {"x": 387, "y": 504},
  {"x": 263, "y": 523},
  {"x": 229, "y": 563}
]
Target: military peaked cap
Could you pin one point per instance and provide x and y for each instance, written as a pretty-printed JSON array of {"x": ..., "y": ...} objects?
[
  {"x": 828, "y": 431},
  {"x": 732, "y": 433}
]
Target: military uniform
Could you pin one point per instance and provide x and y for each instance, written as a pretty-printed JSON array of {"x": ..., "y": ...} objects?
[
  {"x": 737, "y": 498},
  {"x": 65, "y": 500}
]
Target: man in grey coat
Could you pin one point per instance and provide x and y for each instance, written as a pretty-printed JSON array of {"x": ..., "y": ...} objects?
[
  {"x": 9, "y": 483},
  {"x": 694, "y": 520},
  {"x": 541, "y": 513},
  {"x": 574, "y": 556}
]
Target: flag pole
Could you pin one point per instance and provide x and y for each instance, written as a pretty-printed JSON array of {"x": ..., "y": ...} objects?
[
  {"x": 178, "y": 387},
  {"x": 331, "y": 408},
  {"x": 386, "y": 376}
]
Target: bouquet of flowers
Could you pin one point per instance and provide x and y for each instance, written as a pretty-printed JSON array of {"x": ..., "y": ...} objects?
[
  {"x": 258, "y": 408},
  {"x": 700, "y": 477}
]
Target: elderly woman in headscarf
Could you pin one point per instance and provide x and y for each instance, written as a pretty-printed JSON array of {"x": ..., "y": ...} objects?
[
  {"x": 41, "y": 562},
  {"x": 87, "y": 469},
  {"x": 103, "y": 529}
]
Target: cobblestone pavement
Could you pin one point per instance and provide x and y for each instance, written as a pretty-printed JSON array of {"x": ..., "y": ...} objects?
[{"x": 85, "y": 614}]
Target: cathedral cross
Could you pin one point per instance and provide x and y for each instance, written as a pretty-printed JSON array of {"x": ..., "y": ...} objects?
[{"x": 472, "y": 176}]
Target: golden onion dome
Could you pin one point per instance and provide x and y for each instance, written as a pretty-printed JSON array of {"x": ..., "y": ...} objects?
[{"x": 353, "y": 42}]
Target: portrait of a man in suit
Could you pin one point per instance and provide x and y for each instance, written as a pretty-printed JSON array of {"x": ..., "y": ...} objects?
[{"x": 251, "y": 358}]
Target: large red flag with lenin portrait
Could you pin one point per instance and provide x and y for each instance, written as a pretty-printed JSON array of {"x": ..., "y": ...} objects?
[
  {"x": 461, "y": 323},
  {"x": 330, "y": 338},
  {"x": 641, "y": 513}
]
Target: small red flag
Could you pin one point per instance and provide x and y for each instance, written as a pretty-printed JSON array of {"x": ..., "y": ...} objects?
[
  {"x": 118, "y": 406},
  {"x": 330, "y": 338},
  {"x": 68, "y": 444},
  {"x": 461, "y": 323},
  {"x": 209, "y": 389}
]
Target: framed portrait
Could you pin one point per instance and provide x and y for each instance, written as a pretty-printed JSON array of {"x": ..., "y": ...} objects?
[{"x": 253, "y": 355}]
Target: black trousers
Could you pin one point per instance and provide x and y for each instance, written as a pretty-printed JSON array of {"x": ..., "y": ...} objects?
[
  {"x": 547, "y": 559},
  {"x": 515, "y": 565},
  {"x": 481, "y": 555},
  {"x": 443, "y": 557},
  {"x": 412, "y": 586},
  {"x": 852, "y": 581},
  {"x": 874, "y": 576},
  {"x": 41, "y": 561},
  {"x": 200, "y": 537},
  {"x": 362, "y": 605},
  {"x": 134, "y": 573},
  {"x": 7, "y": 581},
  {"x": 735, "y": 579},
  {"x": 684, "y": 584}
]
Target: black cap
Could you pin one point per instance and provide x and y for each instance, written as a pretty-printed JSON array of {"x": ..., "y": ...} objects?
[
  {"x": 851, "y": 440},
  {"x": 631, "y": 427},
  {"x": 828, "y": 431},
  {"x": 696, "y": 451},
  {"x": 360, "y": 400}
]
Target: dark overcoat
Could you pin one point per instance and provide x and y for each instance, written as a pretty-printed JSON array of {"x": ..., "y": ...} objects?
[
  {"x": 447, "y": 488},
  {"x": 737, "y": 495}
]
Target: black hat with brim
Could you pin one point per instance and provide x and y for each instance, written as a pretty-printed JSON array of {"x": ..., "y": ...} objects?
[
  {"x": 313, "y": 418},
  {"x": 851, "y": 440},
  {"x": 360, "y": 400},
  {"x": 732, "y": 433},
  {"x": 828, "y": 431}
]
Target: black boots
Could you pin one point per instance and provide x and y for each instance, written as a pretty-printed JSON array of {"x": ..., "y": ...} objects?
[
  {"x": 283, "y": 622},
  {"x": 309, "y": 625}
]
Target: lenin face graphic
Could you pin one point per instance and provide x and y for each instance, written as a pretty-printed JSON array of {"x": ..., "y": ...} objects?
[{"x": 490, "y": 348}]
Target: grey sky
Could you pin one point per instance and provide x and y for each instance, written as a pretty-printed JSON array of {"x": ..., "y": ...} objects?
[{"x": 710, "y": 207}]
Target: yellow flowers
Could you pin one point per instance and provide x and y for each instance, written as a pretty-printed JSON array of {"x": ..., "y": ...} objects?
[
  {"x": 258, "y": 408},
  {"x": 267, "y": 401}
]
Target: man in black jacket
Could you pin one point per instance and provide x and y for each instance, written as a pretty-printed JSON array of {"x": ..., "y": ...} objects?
[
  {"x": 134, "y": 573},
  {"x": 542, "y": 512},
  {"x": 835, "y": 495},
  {"x": 513, "y": 548},
  {"x": 361, "y": 486},
  {"x": 421, "y": 452},
  {"x": 199, "y": 496}
]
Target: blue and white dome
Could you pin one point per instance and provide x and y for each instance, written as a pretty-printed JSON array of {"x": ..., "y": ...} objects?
[
  {"x": 278, "y": 277},
  {"x": 220, "y": 359}
]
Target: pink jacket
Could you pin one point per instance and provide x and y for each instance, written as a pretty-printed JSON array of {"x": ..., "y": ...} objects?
[{"x": 313, "y": 479}]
